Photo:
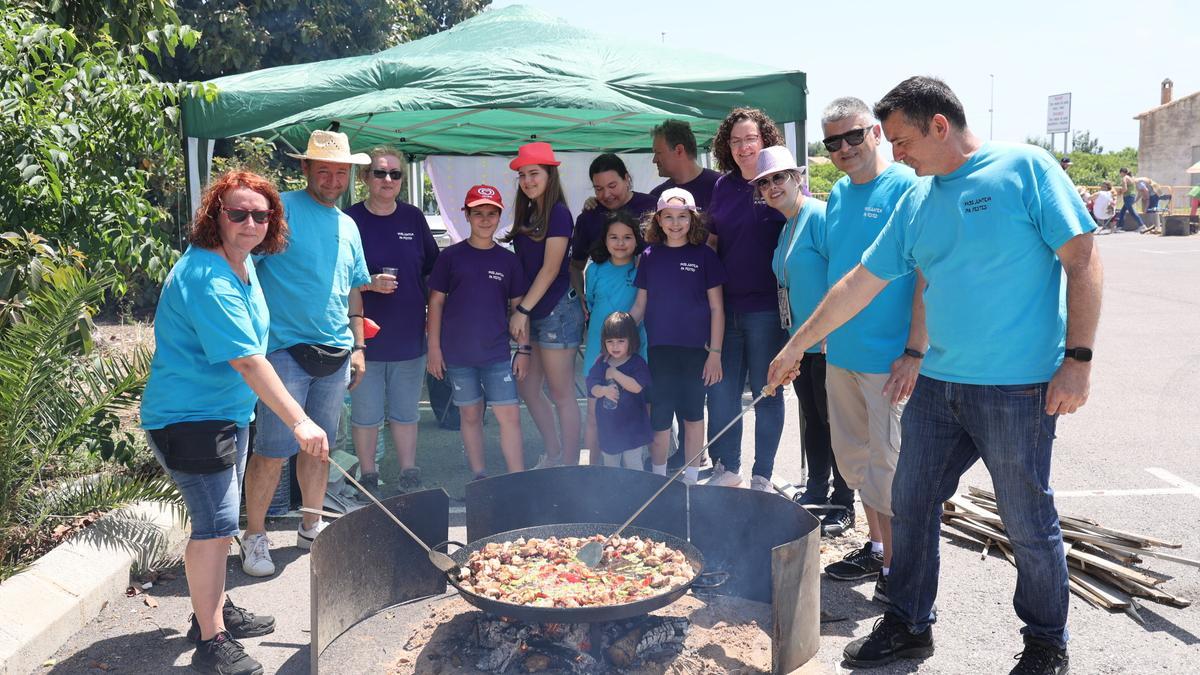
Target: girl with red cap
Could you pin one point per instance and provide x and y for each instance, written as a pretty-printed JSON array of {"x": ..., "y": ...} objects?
[{"x": 550, "y": 316}]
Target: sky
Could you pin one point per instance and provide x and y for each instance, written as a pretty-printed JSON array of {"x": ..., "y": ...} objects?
[{"x": 1007, "y": 56}]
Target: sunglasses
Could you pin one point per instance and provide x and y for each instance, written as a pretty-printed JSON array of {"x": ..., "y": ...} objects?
[
  {"x": 774, "y": 179},
  {"x": 396, "y": 174},
  {"x": 853, "y": 137},
  {"x": 240, "y": 215}
]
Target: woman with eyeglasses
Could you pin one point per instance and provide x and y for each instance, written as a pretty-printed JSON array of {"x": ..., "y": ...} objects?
[
  {"x": 744, "y": 231},
  {"x": 208, "y": 371},
  {"x": 400, "y": 252}
]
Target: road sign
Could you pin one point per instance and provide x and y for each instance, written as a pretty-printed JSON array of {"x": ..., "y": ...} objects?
[{"x": 1058, "y": 114}]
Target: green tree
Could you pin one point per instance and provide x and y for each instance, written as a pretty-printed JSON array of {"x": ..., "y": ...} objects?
[
  {"x": 1082, "y": 141},
  {"x": 1041, "y": 142},
  {"x": 126, "y": 21},
  {"x": 821, "y": 177},
  {"x": 817, "y": 149},
  {"x": 86, "y": 134},
  {"x": 244, "y": 35}
]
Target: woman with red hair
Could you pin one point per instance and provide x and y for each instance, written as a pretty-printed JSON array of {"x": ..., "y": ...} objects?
[{"x": 209, "y": 369}]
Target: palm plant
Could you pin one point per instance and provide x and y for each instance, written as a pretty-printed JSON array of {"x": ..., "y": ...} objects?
[{"x": 59, "y": 398}]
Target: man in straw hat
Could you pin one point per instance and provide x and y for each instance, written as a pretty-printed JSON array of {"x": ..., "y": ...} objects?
[
  {"x": 872, "y": 361},
  {"x": 316, "y": 337}
]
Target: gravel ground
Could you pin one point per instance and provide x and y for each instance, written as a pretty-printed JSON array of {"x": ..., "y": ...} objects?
[{"x": 1145, "y": 385}]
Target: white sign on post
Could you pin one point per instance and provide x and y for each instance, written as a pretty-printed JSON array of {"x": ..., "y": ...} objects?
[{"x": 1058, "y": 114}]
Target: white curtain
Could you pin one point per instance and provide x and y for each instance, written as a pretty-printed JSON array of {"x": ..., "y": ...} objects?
[{"x": 452, "y": 176}]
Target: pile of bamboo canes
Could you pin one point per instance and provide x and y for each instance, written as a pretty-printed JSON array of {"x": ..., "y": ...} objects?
[{"x": 1100, "y": 560}]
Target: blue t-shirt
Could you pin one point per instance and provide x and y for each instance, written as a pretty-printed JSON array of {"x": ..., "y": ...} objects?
[
  {"x": 308, "y": 284},
  {"x": 609, "y": 289},
  {"x": 876, "y": 336},
  {"x": 985, "y": 238},
  {"x": 799, "y": 262},
  {"x": 206, "y": 317}
]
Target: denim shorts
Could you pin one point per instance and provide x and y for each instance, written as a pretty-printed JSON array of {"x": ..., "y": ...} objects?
[
  {"x": 321, "y": 397},
  {"x": 562, "y": 328},
  {"x": 394, "y": 385},
  {"x": 472, "y": 383},
  {"x": 213, "y": 499}
]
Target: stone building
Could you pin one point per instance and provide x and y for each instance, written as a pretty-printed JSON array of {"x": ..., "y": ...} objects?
[{"x": 1169, "y": 138}]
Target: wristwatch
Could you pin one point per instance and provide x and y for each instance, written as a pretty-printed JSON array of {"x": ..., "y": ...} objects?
[
  {"x": 358, "y": 348},
  {"x": 909, "y": 351},
  {"x": 522, "y": 310},
  {"x": 1079, "y": 353}
]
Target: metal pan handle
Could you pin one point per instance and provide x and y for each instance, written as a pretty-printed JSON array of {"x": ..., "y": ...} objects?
[
  {"x": 703, "y": 581},
  {"x": 453, "y": 576}
]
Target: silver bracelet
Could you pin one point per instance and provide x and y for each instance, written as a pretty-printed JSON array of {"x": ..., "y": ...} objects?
[{"x": 302, "y": 421}]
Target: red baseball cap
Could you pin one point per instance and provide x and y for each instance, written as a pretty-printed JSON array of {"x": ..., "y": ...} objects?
[
  {"x": 483, "y": 194},
  {"x": 538, "y": 152}
]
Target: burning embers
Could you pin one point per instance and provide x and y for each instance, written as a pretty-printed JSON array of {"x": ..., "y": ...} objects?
[{"x": 518, "y": 647}]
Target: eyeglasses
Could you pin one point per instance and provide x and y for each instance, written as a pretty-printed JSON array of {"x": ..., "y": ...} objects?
[
  {"x": 240, "y": 215},
  {"x": 746, "y": 140},
  {"x": 396, "y": 174},
  {"x": 774, "y": 179},
  {"x": 853, "y": 137}
]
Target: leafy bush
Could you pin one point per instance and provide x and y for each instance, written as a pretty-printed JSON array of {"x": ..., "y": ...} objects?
[
  {"x": 59, "y": 399},
  {"x": 821, "y": 178},
  {"x": 86, "y": 134}
]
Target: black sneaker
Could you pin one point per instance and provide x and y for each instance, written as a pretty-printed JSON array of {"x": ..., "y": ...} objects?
[
  {"x": 859, "y": 564},
  {"x": 371, "y": 482},
  {"x": 837, "y": 522},
  {"x": 225, "y": 656},
  {"x": 238, "y": 622},
  {"x": 410, "y": 479},
  {"x": 889, "y": 640},
  {"x": 1041, "y": 658},
  {"x": 881, "y": 583}
]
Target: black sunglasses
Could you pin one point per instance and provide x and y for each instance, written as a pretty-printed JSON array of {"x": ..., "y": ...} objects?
[
  {"x": 240, "y": 215},
  {"x": 853, "y": 137},
  {"x": 396, "y": 174},
  {"x": 774, "y": 179}
]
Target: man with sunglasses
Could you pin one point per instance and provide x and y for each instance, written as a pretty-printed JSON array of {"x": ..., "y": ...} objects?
[
  {"x": 872, "y": 360},
  {"x": 993, "y": 230},
  {"x": 316, "y": 336}
]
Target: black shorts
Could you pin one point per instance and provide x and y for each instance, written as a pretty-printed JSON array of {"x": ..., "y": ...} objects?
[{"x": 677, "y": 374}]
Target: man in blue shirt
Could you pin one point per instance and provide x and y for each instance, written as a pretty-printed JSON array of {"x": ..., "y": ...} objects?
[
  {"x": 872, "y": 360},
  {"x": 992, "y": 231},
  {"x": 316, "y": 336}
]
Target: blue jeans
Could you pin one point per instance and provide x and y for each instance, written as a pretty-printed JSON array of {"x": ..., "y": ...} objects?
[
  {"x": 321, "y": 397},
  {"x": 1127, "y": 207},
  {"x": 752, "y": 339},
  {"x": 945, "y": 428},
  {"x": 213, "y": 499}
]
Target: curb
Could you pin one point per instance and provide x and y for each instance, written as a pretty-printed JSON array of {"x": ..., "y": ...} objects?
[{"x": 64, "y": 590}]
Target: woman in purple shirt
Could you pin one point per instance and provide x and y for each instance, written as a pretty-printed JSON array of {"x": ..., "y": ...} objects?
[
  {"x": 550, "y": 316},
  {"x": 400, "y": 253},
  {"x": 744, "y": 231}
]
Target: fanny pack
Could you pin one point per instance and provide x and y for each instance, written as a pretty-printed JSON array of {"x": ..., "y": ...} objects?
[
  {"x": 319, "y": 360},
  {"x": 207, "y": 446}
]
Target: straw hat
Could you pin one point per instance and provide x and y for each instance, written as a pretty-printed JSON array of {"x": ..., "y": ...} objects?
[{"x": 331, "y": 146}]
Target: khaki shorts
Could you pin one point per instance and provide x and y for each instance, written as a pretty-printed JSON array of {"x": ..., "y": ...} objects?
[{"x": 864, "y": 428}]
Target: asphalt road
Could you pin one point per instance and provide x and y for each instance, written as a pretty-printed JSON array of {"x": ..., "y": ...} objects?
[{"x": 1138, "y": 431}]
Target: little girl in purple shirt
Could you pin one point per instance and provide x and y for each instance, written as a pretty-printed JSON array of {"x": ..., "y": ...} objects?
[
  {"x": 618, "y": 383},
  {"x": 679, "y": 282}
]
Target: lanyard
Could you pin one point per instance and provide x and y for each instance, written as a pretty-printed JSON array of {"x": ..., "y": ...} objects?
[{"x": 790, "y": 229}]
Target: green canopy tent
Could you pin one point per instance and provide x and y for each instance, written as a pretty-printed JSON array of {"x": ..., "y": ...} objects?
[{"x": 488, "y": 85}]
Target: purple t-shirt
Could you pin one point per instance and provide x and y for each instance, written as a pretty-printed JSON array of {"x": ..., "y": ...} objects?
[
  {"x": 747, "y": 231},
  {"x": 590, "y": 224},
  {"x": 478, "y": 284},
  {"x": 401, "y": 240},
  {"x": 533, "y": 253},
  {"x": 628, "y": 425},
  {"x": 677, "y": 280},
  {"x": 701, "y": 188}
]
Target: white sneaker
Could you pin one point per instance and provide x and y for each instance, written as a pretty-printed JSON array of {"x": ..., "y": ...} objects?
[
  {"x": 546, "y": 462},
  {"x": 305, "y": 536},
  {"x": 256, "y": 556},
  {"x": 722, "y": 478},
  {"x": 761, "y": 484}
]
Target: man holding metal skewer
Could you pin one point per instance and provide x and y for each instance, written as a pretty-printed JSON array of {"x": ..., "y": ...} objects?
[{"x": 993, "y": 231}]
